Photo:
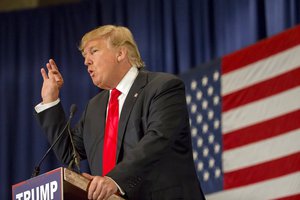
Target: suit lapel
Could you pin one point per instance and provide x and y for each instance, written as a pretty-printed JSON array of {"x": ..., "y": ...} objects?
[
  {"x": 103, "y": 106},
  {"x": 130, "y": 100}
]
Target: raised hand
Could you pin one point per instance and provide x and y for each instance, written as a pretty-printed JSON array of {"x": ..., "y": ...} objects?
[{"x": 53, "y": 81}]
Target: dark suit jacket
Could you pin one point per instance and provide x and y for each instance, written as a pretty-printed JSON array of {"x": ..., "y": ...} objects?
[{"x": 154, "y": 152}]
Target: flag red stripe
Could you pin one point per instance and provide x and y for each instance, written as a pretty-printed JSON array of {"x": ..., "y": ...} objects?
[
  {"x": 261, "y": 50},
  {"x": 262, "y": 90},
  {"x": 293, "y": 197},
  {"x": 261, "y": 172},
  {"x": 263, "y": 130}
]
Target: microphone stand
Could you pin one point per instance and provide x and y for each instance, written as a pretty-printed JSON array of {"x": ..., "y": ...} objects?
[{"x": 75, "y": 156}]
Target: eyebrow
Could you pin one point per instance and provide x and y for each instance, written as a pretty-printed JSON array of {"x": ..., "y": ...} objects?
[{"x": 90, "y": 48}]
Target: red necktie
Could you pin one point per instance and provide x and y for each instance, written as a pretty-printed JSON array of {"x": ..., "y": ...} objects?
[{"x": 111, "y": 133}]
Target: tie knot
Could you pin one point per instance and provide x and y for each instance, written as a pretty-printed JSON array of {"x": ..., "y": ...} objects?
[{"x": 115, "y": 93}]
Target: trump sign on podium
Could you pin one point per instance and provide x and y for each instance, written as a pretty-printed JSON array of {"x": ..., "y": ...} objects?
[{"x": 46, "y": 186}]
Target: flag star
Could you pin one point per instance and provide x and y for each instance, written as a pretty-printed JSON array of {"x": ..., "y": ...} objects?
[
  {"x": 205, "y": 128},
  {"x": 211, "y": 138},
  {"x": 211, "y": 162},
  {"x": 193, "y": 108},
  {"x": 216, "y": 100},
  {"x": 217, "y": 173},
  {"x": 217, "y": 148},
  {"x": 193, "y": 85},
  {"x": 194, "y": 131},
  {"x": 204, "y": 81},
  {"x": 200, "y": 166},
  {"x": 188, "y": 99},
  {"x": 199, "y": 95},
  {"x": 216, "y": 76},
  {"x": 205, "y": 152},
  {"x": 216, "y": 124},
  {"x": 210, "y": 90},
  {"x": 195, "y": 155},
  {"x": 210, "y": 114},
  {"x": 199, "y": 118},
  {"x": 204, "y": 105},
  {"x": 199, "y": 142},
  {"x": 206, "y": 176}
]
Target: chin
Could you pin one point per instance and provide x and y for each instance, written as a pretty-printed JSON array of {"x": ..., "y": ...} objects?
[
  {"x": 101, "y": 86},
  {"x": 96, "y": 84}
]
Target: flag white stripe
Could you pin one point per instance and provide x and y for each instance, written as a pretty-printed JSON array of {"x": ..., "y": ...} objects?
[
  {"x": 263, "y": 151},
  {"x": 276, "y": 188},
  {"x": 261, "y": 110},
  {"x": 261, "y": 70}
]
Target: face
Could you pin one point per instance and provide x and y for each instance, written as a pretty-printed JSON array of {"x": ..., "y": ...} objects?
[{"x": 103, "y": 63}]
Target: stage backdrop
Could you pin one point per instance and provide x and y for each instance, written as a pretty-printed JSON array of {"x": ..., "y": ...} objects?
[{"x": 173, "y": 36}]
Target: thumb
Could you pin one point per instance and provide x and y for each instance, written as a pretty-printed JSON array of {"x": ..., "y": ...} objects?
[{"x": 88, "y": 176}]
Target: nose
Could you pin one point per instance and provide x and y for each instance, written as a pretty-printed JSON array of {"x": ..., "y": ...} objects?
[{"x": 87, "y": 61}]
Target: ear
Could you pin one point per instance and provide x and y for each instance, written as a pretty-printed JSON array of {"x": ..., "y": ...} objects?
[{"x": 121, "y": 54}]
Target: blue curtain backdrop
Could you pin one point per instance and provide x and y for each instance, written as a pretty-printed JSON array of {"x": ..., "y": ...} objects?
[{"x": 173, "y": 36}]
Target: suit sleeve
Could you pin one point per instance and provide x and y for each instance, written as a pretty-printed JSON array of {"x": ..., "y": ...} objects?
[{"x": 53, "y": 121}]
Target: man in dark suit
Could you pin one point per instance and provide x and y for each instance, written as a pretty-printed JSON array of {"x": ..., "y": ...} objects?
[{"x": 151, "y": 156}]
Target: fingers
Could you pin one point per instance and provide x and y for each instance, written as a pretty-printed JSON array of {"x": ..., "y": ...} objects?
[
  {"x": 99, "y": 193},
  {"x": 44, "y": 74},
  {"x": 52, "y": 69},
  {"x": 53, "y": 64},
  {"x": 92, "y": 185},
  {"x": 96, "y": 189},
  {"x": 52, "y": 82},
  {"x": 88, "y": 176},
  {"x": 93, "y": 193},
  {"x": 101, "y": 188},
  {"x": 50, "y": 74},
  {"x": 53, "y": 73}
]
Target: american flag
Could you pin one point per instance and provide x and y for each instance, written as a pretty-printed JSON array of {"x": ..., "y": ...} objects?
[{"x": 245, "y": 121}]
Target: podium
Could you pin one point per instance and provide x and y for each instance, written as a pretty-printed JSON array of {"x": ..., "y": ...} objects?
[{"x": 58, "y": 184}]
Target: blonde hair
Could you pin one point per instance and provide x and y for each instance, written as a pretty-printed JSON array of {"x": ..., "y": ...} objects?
[{"x": 117, "y": 36}]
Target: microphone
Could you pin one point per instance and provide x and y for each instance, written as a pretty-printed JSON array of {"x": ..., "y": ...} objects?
[
  {"x": 75, "y": 156},
  {"x": 73, "y": 110},
  {"x": 36, "y": 171}
]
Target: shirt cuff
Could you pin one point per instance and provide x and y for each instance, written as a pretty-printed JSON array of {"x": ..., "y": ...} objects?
[
  {"x": 119, "y": 188},
  {"x": 44, "y": 106}
]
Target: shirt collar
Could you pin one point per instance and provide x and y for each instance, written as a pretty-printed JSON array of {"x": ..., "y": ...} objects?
[{"x": 127, "y": 81}]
